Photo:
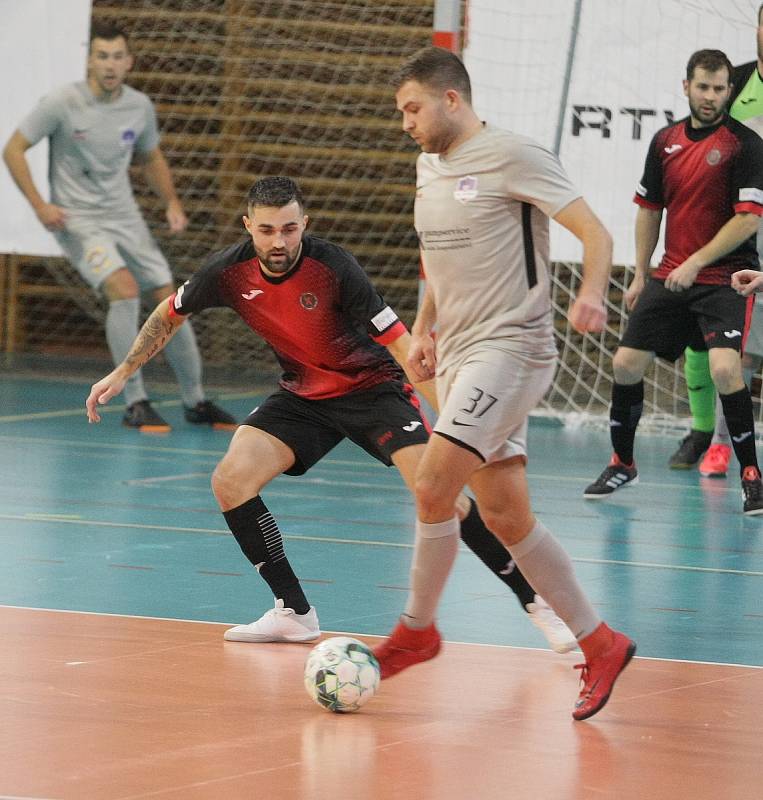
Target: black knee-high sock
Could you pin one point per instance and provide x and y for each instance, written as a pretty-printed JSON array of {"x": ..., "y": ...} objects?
[
  {"x": 624, "y": 415},
  {"x": 495, "y": 556},
  {"x": 737, "y": 409},
  {"x": 260, "y": 540}
]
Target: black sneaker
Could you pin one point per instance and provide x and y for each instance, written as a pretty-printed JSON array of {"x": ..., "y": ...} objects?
[
  {"x": 752, "y": 489},
  {"x": 142, "y": 417},
  {"x": 689, "y": 452},
  {"x": 207, "y": 413},
  {"x": 615, "y": 475}
]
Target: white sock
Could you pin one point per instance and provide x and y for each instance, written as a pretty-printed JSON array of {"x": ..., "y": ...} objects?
[
  {"x": 433, "y": 556},
  {"x": 548, "y": 569},
  {"x": 182, "y": 354},
  {"x": 121, "y": 330}
]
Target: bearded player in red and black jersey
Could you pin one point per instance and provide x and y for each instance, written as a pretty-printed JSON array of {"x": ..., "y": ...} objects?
[
  {"x": 706, "y": 171},
  {"x": 339, "y": 346}
]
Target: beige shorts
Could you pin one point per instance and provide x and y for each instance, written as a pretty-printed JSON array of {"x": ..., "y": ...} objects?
[
  {"x": 485, "y": 400},
  {"x": 98, "y": 247}
]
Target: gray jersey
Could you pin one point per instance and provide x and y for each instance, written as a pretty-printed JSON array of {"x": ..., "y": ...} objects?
[
  {"x": 481, "y": 214},
  {"x": 91, "y": 146}
]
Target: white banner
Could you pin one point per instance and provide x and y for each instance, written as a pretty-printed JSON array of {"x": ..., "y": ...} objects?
[
  {"x": 630, "y": 59},
  {"x": 43, "y": 44}
]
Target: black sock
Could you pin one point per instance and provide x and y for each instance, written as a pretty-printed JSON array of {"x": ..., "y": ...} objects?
[
  {"x": 737, "y": 409},
  {"x": 624, "y": 415},
  {"x": 260, "y": 540},
  {"x": 494, "y": 555}
]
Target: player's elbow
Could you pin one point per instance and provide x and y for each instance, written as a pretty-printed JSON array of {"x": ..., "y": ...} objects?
[
  {"x": 596, "y": 238},
  {"x": 8, "y": 154},
  {"x": 14, "y": 150},
  {"x": 749, "y": 222}
]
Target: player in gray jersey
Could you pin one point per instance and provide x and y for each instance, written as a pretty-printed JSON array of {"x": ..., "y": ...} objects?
[
  {"x": 483, "y": 199},
  {"x": 95, "y": 129}
]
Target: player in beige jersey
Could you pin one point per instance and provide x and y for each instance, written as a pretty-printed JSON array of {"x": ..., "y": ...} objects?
[{"x": 483, "y": 199}]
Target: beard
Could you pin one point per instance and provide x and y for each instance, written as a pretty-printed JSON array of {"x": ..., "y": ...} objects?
[
  {"x": 280, "y": 262},
  {"x": 441, "y": 138},
  {"x": 706, "y": 116}
]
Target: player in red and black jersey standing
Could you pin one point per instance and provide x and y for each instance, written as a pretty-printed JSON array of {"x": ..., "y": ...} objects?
[
  {"x": 706, "y": 171},
  {"x": 339, "y": 346}
]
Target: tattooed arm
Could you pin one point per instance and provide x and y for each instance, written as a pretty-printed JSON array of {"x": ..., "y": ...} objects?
[{"x": 158, "y": 329}]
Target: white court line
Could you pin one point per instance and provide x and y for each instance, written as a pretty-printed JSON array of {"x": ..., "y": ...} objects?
[
  {"x": 365, "y": 542},
  {"x": 22, "y": 797},
  {"x": 112, "y": 409},
  {"x": 70, "y": 443},
  {"x": 371, "y": 465},
  {"x": 352, "y": 633},
  {"x": 376, "y": 486},
  {"x": 164, "y": 479}
]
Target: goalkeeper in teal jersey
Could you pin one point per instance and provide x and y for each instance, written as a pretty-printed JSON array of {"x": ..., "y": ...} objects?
[{"x": 709, "y": 434}]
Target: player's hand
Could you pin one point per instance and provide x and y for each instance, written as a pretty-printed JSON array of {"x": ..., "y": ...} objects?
[
  {"x": 747, "y": 281},
  {"x": 101, "y": 393},
  {"x": 634, "y": 291},
  {"x": 176, "y": 218},
  {"x": 421, "y": 361},
  {"x": 53, "y": 217},
  {"x": 588, "y": 314},
  {"x": 682, "y": 277}
]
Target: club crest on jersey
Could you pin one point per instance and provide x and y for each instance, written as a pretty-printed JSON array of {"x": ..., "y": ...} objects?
[
  {"x": 128, "y": 136},
  {"x": 308, "y": 301},
  {"x": 713, "y": 157},
  {"x": 466, "y": 189}
]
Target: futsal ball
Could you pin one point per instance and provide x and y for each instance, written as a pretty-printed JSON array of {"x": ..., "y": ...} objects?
[{"x": 341, "y": 674}]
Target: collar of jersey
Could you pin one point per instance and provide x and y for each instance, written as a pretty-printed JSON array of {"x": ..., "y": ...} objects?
[{"x": 698, "y": 134}]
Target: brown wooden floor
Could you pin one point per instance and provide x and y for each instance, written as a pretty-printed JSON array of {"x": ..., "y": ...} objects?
[{"x": 96, "y": 707}]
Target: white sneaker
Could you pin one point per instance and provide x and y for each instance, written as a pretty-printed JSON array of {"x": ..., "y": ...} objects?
[
  {"x": 278, "y": 625},
  {"x": 544, "y": 618}
]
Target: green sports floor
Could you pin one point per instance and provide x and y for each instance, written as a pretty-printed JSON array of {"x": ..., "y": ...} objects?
[{"x": 98, "y": 518}]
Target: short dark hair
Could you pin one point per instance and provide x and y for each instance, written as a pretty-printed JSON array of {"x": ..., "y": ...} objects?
[
  {"x": 760, "y": 8},
  {"x": 106, "y": 30},
  {"x": 711, "y": 60},
  {"x": 436, "y": 68},
  {"x": 274, "y": 192}
]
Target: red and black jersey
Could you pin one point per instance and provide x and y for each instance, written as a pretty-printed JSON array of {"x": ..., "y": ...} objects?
[
  {"x": 324, "y": 320},
  {"x": 703, "y": 177}
]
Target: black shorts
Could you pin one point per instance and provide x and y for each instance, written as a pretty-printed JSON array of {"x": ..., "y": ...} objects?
[
  {"x": 381, "y": 420},
  {"x": 703, "y": 317}
]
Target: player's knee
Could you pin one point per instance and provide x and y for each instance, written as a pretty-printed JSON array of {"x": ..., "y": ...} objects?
[
  {"x": 626, "y": 368},
  {"x": 506, "y": 526},
  {"x": 227, "y": 482},
  {"x": 430, "y": 497},
  {"x": 120, "y": 285},
  {"x": 727, "y": 376}
]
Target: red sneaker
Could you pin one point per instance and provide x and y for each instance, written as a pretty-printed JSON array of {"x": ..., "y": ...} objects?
[
  {"x": 599, "y": 675},
  {"x": 715, "y": 464},
  {"x": 406, "y": 647}
]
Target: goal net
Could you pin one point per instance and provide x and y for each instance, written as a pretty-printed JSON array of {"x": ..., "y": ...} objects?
[
  {"x": 594, "y": 80},
  {"x": 246, "y": 88}
]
